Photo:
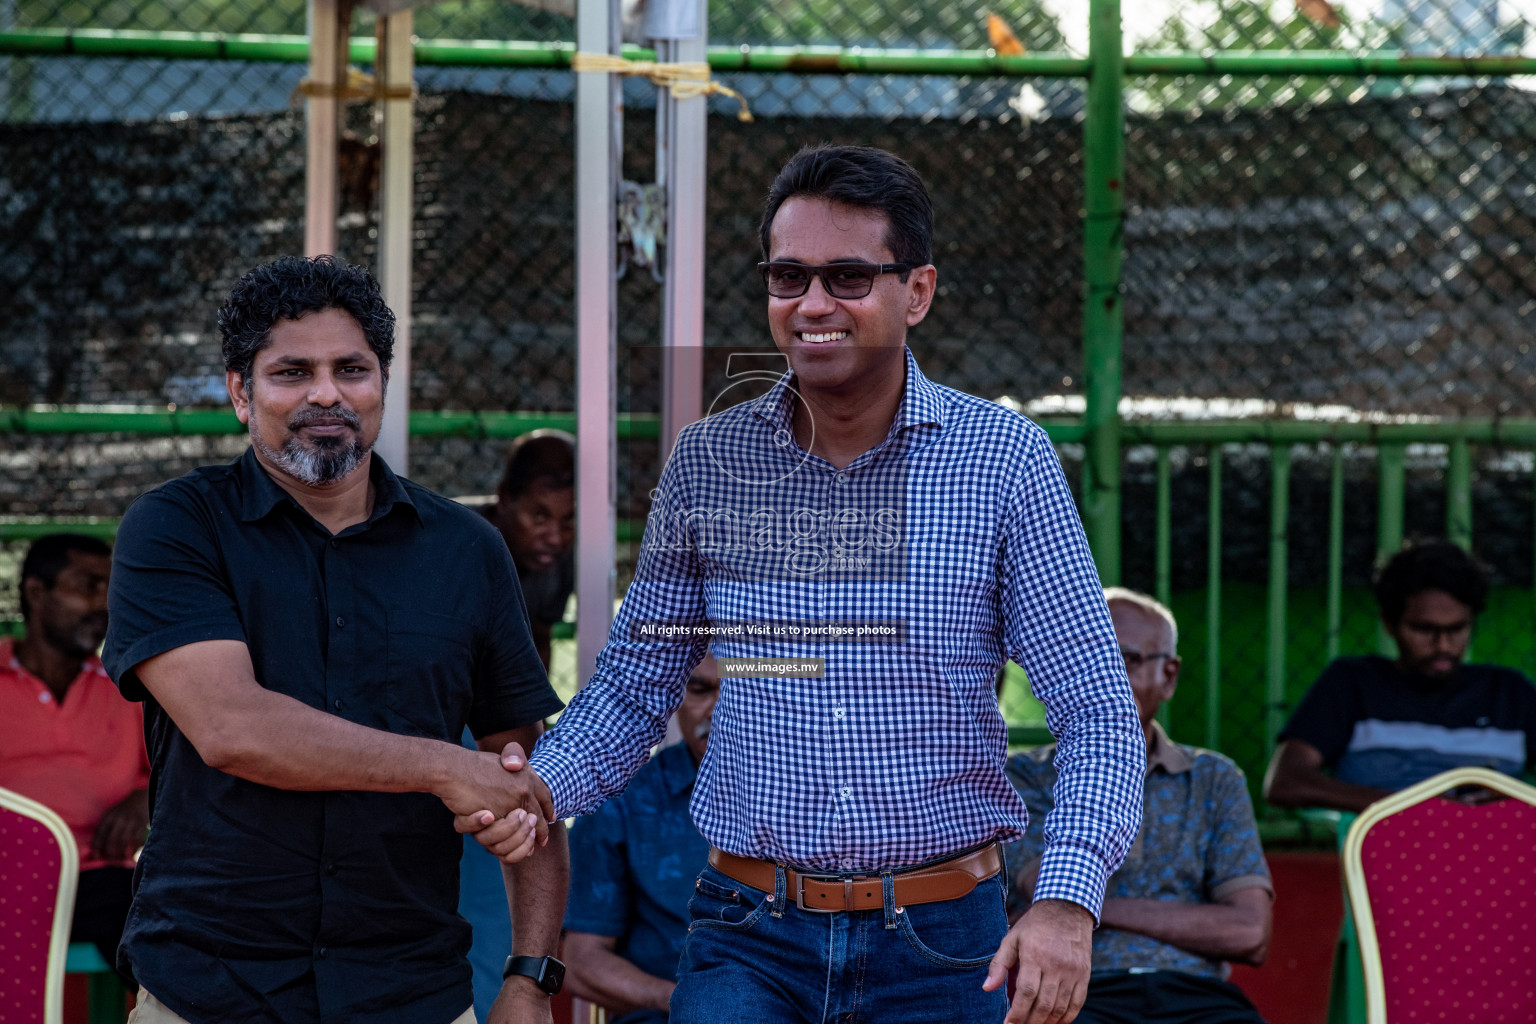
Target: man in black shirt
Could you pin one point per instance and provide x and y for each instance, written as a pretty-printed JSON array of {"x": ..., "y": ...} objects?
[
  {"x": 310, "y": 634},
  {"x": 1381, "y": 725}
]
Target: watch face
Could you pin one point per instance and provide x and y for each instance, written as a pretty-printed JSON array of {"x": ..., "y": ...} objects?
[{"x": 554, "y": 975}]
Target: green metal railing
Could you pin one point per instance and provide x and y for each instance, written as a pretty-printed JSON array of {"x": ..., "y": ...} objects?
[
  {"x": 1391, "y": 497},
  {"x": 819, "y": 60},
  {"x": 173, "y": 422}
]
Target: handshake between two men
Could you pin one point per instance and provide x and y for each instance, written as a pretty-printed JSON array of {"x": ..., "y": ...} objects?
[{"x": 515, "y": 808}]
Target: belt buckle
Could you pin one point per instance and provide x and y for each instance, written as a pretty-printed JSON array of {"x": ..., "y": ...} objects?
[{"x": 800, "y": 881}]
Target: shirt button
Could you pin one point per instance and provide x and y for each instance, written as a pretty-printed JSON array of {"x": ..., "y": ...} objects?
[
  {"x": 322, "y": 952},
  {"x": 839, "y": 714},
  {"x": 330, "y": 869},
  {"x": 45, "y": 698},
  {"x": 845, "y": 792},
  {"x": 339, "y": 704},
  {"x": 340, "y": 622},
  {"x": 335, "y": 543},
  {"x": 842, "y": 478}
]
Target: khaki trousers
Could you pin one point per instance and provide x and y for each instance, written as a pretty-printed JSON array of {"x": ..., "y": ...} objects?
[{"x": 149, "y": 1010}]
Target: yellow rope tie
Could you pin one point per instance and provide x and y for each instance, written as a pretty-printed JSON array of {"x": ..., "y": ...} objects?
[
  {"x": 359, "y": 86},
  {"x": 686, "y": 80}
]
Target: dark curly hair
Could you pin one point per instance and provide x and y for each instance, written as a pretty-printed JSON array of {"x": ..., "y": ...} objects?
[
  {"x": 860, "y": 176},
  {"x": 48, "y": 556},
  {"x": 1430, "y": 565},
  {"x": 545, "y": 457},
  {"x": 287, "y": 289}
]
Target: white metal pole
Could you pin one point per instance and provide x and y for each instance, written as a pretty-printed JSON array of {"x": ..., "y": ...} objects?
[
  {"x": 321, "y": 115},
  {"x": 598, "y": 126},
  {"x": 394, "y": 72},
  {"x": 685, "y": 152}
]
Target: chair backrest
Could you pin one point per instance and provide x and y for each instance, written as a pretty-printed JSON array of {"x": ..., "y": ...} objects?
[
  {"x": 1444, "y": 900},
  {"x": 39, "y": 867}
]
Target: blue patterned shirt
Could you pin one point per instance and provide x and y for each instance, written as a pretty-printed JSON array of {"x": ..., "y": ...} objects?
[
  {"x": 913, "y": 573},
  {"x": 633, "y": 865},
  {"x": 1198, "y": 842}
]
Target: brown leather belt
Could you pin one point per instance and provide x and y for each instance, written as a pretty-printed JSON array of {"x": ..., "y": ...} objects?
[{"x": 934, "y": 883}]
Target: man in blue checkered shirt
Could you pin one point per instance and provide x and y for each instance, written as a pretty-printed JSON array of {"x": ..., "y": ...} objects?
[{"x": 903, "y": 539}]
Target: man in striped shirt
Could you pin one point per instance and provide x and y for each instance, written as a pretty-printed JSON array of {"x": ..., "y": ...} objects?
[{"x": 890, "y": 542}]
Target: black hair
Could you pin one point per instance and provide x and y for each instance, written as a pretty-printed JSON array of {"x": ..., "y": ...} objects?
[
  {"x": 48, "y": 556},
  {"x": 287, "y": 289},
  {"x": 865, "y": 177},
  {"x": 1433, "y": 564},
  {"x": 543, "y": 456}
]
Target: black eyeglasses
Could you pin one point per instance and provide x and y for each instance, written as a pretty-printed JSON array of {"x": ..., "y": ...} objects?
[
  {"x": 1135, "y": 659},
  {"x": 1434, "y": 633},
  {"x": 848, "y": 280}
]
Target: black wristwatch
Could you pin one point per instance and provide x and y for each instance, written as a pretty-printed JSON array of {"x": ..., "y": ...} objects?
[{"x": 546, "y": 972}]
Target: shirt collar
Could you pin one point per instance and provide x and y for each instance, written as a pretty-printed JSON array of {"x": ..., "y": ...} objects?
[
  {"x": 677, "y": 768},
  {"x": 922, "y": 402},
  {"x": 260, "y": 494},
  {"x": 1163, "y": 753},
  {"x": 91, "y": 664}
]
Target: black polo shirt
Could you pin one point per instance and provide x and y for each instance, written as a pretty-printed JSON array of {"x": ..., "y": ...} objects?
[{"x": 258, "y": 904}]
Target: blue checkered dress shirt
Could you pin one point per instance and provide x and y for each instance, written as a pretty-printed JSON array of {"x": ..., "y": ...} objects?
[{"x": 957, "y": 540}]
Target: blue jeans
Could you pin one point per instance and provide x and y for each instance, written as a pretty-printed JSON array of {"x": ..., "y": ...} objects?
[{"x": 749, "y": 959}]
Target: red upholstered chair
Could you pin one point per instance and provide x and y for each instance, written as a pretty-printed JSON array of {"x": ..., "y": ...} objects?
[
  {"x": 39, "y": 867},
  {"x": 1444, "y": 901}
]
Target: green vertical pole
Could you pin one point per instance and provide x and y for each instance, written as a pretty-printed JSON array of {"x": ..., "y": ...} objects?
[
  {"x": 106, "y": 999},
  {"x": 1336, "y": 552},
  {"x": 1458, "y": 494},
  {"x": 1213, "y": 609},
  {"x": 1458, "y": 501},
  {"x": 1103, "y": 321},
  {"x": 1389, "y": 521},
  {"x": 1279, "y": 514},
  {"x": 1164, "y": 525},
  {"x": 1164, "y": 560}
]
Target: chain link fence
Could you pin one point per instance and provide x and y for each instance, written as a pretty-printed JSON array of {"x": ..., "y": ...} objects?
[{"x": 1335, "y": 247}]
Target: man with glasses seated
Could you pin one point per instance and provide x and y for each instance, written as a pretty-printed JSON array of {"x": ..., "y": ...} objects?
[
  {"x": 1370, "y": 726},
  {"x": 1194, "y": 892}
]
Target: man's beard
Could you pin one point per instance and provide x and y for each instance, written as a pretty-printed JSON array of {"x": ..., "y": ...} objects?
[
  {"x": 1419, "y": 670},
  {"x": 78, "y": 639},
  {"x": 323, "y": 460}
]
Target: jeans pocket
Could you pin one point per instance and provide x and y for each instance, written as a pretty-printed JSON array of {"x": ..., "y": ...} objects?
[
  {"x": 719, "y": 901},
  {"x": 961, "y": 934}
]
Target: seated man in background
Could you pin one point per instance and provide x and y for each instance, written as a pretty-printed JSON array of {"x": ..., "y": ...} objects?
[
  {"x": 633, "y": 867},
  {"x": 70, "y": 740},
  {"x": 535, "y": 511},
  {"x": 1381, "y": 725},
  {"x": 1194, "y": 892}
]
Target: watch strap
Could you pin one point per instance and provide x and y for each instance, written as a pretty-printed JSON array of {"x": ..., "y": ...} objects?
[{"x": 546, "y": 972}]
